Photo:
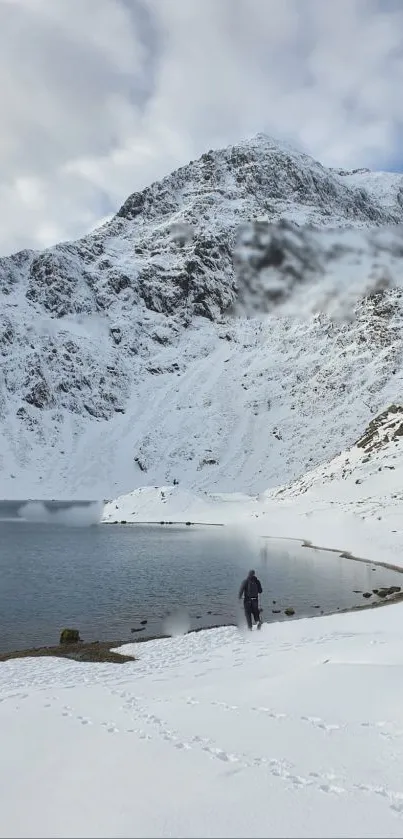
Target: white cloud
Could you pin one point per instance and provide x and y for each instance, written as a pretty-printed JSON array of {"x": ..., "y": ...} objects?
[{"x": 99, "y": 99}]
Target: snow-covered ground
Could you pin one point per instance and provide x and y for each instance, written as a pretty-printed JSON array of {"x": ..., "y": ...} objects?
[{"x": 296, "y": 731}]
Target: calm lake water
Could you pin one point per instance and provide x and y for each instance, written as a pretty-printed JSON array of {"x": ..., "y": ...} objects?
[{"x": 106, "y": 579}]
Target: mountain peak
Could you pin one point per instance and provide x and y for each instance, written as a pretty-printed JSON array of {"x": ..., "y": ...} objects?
[
  {"x": 268, "y": 142},
  {"x": 120, "y": 365},
  {"x": 261, "y": 177}
]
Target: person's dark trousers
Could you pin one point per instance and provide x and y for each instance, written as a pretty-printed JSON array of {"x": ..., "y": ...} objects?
[{"x": 251, "y": 608}]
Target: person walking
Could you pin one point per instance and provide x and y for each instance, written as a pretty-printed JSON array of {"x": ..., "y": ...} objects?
[{"x": 250, "y": 590}]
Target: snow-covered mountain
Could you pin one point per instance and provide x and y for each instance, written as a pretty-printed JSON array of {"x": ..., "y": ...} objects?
[{"x": 121, "y": 364}]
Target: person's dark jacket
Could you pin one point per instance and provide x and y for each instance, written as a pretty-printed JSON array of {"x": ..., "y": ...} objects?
[{"x": 250, "y": 588}]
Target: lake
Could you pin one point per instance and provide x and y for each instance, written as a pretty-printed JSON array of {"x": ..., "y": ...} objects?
[{"x": 106, "y": 579}]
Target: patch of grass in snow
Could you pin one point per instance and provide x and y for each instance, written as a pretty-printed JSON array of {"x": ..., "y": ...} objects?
[{"x": 96, "y": 652}]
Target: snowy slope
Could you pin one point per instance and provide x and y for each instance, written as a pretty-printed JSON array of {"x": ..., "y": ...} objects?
[
  {"x": 295, "y": 731},
  {"x": 355, "y": 502},
  {"x": 379, "y": 448},
  {"x": 120, "y": 365},
  {"x": 352, "y": 503},
  {"x": 383, "y": 187}
]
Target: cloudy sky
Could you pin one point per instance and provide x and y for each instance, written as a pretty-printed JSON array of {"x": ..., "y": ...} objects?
[{"x": 101, "y": 97}]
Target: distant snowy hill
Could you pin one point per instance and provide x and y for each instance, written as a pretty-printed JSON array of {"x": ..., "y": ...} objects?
[{"x": 120, "y": 365}]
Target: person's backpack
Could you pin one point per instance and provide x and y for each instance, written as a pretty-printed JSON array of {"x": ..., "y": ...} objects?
[{"x": 251, "y": 590}]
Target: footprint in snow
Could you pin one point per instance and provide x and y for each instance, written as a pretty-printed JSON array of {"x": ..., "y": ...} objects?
[
  {"x": 331, "y": 789},
  {"x": 319, "y": 723},
  {"x": 219, "y": 754},
  {"x": 272, "y": 714},
  {"x": 110, "y": 727},
  {"x": 298, "y": 781}
]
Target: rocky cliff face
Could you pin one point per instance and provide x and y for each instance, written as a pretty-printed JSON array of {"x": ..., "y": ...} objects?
[{"x": 121, "y": 362}]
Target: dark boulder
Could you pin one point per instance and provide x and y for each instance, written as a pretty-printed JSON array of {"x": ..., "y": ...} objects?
[{"x": 69, "y": 636}]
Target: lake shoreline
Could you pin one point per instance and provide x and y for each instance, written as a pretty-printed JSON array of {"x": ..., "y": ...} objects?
[
  {"x": 306, "y": 543},
  {"x": 161, "y": 523},
  {"x": 95, "y": 652},
  {"x": 104, "y": 652}
]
